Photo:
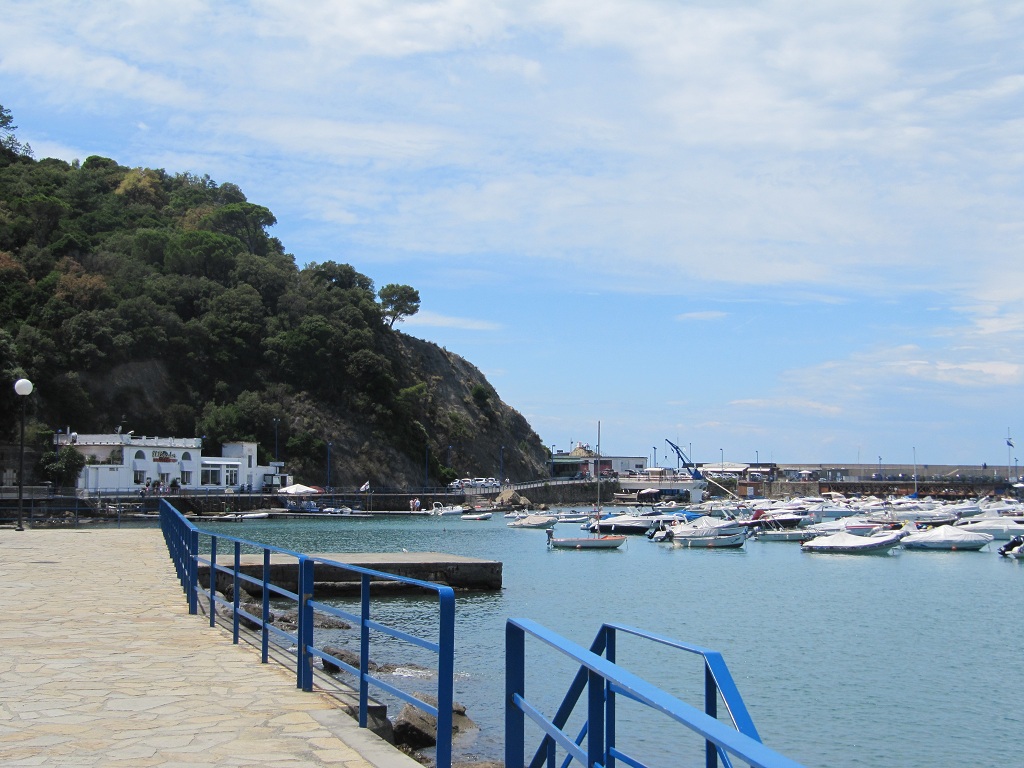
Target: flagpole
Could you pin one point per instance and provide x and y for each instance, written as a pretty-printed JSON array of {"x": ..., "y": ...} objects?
[{"x": 1009, "y": 453}]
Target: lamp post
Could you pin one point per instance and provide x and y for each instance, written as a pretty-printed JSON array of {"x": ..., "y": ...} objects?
[
  {"x": 552, "y": 459},
  {"x": 721, "y": 452},
  {"x": 330, "y": 445},
  {"x": 501, "y": 465},
  {"x": 757, "y": 459},
  {"x": 277, "y": 421},
  {"x": 655, "y": 455},
  {"x": 24, "y": 388}
]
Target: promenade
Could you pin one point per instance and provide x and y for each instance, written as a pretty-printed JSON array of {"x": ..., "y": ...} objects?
[{"x": 101, "y": 665}]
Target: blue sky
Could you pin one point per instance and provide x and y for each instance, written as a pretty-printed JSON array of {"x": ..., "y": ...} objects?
[{"x": 786, "y": 230}]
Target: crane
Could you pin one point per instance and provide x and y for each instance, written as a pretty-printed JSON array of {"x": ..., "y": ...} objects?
[{"x": 690, "y": 466}]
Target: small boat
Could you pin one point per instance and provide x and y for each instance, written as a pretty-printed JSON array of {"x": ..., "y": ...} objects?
[
  {"x": 850, "y": 544},
  {"x": 534, "y": 521},
  {"x": 477, "y": 516},
  {"x": 447, "y": 509},
  {"x": 714, "y": 541},
  {"x": 947, "y": 537},
  {"x": 345, "y": 512},
  {"x": 585, "y": 542}
]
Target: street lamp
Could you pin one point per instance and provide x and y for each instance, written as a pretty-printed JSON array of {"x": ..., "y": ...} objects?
[
  {"x": 24, "y": 388},
  {"x": 276, "y": 422},
  {"x": 757, "y": 459},
  {"x": 330, "y": 445},
  {"x": 501, "y": 465},
  {"x": 722, "y": 452},
  {"x": 655, "y": 455}
]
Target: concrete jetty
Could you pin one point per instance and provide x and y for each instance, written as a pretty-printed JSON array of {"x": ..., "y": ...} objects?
[
  {"x": 102, "y": 665},
  {"x": 457, "y": 571}
]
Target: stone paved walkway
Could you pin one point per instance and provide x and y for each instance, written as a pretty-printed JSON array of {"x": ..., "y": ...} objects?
[{"x": 101, "y": 665}]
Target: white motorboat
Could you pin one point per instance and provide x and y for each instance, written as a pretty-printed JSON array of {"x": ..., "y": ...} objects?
[
  {"x": 534, "y": 521},
  {"x": 850, "y": 544},
  {"x": 1003, "y": 528},
  {"x": 477, "y": 516},
  {"x": 585, "y": 542},
  {"x": 948, "y": 537},
  {"x": 706, "y": 526},
  {"x": 447, "y": 509}
]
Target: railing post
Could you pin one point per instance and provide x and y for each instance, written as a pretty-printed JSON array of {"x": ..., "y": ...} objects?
[
  {"x": 445, "y": 677},
  {"x": 305, "y": 628},
  {"x": 193, "y": 572},
  {"x": 609, "y": 704},
  {"x": 595, "y": 719},
  {"x": 364, "y": 649},
  {"x": 213, "y": 581},
  {"x": 515, "y": 685},
  {"x": 265, "y": 635},
  {"x": 710, "y": 708},
  {"x": 236, "y": 592}
]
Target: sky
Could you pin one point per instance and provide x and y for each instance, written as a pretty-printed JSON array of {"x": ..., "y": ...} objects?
[{"x": 774, "y": 231}]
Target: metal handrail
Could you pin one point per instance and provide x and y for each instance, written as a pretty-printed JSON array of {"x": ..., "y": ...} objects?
[
  {"x": 604, "y": 679},
  {"x": 183, "y": 539}
]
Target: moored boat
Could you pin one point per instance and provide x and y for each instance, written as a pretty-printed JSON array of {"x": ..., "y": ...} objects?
[
  {"x": 447, "y": 509},
  {"x": 850, "y": 544},
  {"x": 715, "y": 541},
  {"x": 585, "y": 542},
  {"x": 534, "y": 521},
  {"x": 948, "y": 537},
  {"x": 477, "y": 516}
]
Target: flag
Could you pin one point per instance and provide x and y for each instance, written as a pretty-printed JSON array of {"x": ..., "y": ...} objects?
[
  {"x": 364, "y": 487},
  {"x": 1009, "y": 442}
]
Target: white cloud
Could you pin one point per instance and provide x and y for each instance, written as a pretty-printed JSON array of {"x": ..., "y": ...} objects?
[{"x": 428, "y": 319}]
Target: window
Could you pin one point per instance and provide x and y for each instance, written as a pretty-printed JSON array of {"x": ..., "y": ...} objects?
[
  {"x": 186, "y": 456},
  {"x": 139, "y": 476},
  {"x": 140, "y": 455},
  {"x": 186, "y": 477},
  {"x": 210, "y": 476},
  {"x": 231, "y": 476}
]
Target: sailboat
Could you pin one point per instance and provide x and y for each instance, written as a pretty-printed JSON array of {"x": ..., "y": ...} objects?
[{"x": 589, "y": 542}]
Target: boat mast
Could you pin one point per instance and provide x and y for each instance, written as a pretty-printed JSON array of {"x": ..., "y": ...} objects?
[{"x": 597, "y": 469}]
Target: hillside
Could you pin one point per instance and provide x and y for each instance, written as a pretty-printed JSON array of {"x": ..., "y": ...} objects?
[{"x": 160, "y": 303}]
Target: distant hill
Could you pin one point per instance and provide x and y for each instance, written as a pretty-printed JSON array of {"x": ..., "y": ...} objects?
[{"x": 160, "y": 302}]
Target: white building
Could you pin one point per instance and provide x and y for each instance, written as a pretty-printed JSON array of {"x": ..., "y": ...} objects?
[{"x": 125, "y": 463}]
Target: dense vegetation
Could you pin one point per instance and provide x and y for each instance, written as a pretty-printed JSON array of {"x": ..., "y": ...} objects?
[{"x": 160, "y": 302}]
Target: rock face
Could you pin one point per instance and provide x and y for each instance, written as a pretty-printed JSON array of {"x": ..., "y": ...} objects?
[{"x": 415, "y": 728}]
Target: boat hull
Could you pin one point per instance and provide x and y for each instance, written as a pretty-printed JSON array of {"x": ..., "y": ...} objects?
[
  {"x": 598, "y": 542},
  {"x": 726, "y": 541}
]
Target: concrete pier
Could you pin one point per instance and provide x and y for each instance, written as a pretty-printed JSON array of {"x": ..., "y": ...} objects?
[
  {"x": 102, "y": 665},
  {"x": 457, "y": 571}
]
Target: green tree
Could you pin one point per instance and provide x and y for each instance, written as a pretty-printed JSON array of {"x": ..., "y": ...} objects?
[
  {"x": 398, "y": 302},
  {"x": 7, "y": 138},
  {"x": 62, "y": 467}
]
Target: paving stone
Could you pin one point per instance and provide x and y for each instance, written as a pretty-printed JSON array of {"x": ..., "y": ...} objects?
[{"x": 103, "y": 666}]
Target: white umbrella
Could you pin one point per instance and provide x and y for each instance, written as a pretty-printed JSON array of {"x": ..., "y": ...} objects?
[{"x": 297, "y": 490}]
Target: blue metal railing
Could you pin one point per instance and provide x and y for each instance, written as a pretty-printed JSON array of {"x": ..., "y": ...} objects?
[
  {"x": 183, "y": 545},
  {"x": 603, "y": 680}
]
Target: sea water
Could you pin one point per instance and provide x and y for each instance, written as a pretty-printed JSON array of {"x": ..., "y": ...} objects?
[{"x": 911, "y": 659}]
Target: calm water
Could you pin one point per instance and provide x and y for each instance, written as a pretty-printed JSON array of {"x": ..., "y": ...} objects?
[{"x": 907, "y": 660}]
